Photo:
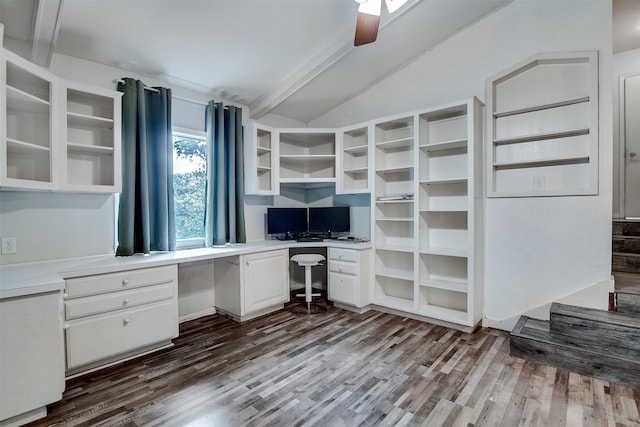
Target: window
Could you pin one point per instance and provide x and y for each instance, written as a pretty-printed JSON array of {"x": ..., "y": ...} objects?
[{"x": 189, "y": 184}]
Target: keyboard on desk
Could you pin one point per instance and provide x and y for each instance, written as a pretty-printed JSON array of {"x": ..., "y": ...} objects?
[{"x": 309, "y": 239}]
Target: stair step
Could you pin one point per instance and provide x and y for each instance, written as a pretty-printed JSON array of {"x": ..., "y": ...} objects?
[
  {"x": 626, "y": 244},
  {"x": 626, "y": 228},
  {"x": 532, "y": 340},
  {"x": 589, "y": 327},
  {"x": 628, "y": 263},
  {"x": 624, "y": 281},
  {"x": 628, "y": 302}
]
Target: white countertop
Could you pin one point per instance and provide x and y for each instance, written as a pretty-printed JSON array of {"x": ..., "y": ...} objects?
[{"x": 47, "y": 276}]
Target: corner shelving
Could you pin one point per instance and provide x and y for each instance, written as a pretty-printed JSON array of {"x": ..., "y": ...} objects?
[
  {"x": 543, "y": 127},
  {"x": 307, "y": 156}
]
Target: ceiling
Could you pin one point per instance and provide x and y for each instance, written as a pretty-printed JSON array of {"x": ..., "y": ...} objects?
[{"x": 294, "y": 58}]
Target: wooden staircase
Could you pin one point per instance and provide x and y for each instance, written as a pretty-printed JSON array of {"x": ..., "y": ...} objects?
[{"x": 598, "y": 343}]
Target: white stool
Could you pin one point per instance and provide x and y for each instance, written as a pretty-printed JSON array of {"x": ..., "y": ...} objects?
[{"x": 307, "y": 261}]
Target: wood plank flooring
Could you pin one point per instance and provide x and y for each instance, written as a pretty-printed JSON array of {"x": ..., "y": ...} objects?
[{"x": 338, "y": 369}]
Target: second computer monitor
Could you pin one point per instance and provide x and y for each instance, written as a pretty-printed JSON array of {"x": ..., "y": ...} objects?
[{"x": 329, "y": 220}]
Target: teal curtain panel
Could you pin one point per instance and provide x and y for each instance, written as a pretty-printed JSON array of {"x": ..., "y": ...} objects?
[
  {"x": 146, "y": 220},
  {"x": 224, "y": 215}
]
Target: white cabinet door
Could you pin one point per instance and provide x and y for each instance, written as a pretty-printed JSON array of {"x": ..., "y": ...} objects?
[
  {"x": 265, "y": 280},
  {"x": 31, "y": 354}
]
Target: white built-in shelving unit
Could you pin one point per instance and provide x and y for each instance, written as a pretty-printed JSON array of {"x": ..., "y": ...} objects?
[
  {"x": 394, "y": 213},
  {"x": 91, "y": 139},
  {"x": 28, "y": 146},
  {"x": 354, "y": 160},
  {"x": 307, "y": 156},
  {"x": 450, "y": 213},
  {"x": 57, "y": 135},
  {"x": 428, "y": 213},
  {"x": 543, "y": 127},
  {"x": 424, "y": 173},
  {"x": 261, "y": 156}
]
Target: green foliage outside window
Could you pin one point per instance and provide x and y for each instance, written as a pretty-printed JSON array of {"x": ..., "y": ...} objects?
[{"x": 189, "y": 184}]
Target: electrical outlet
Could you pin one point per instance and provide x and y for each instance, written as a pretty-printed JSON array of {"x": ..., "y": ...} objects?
[{"x": 9, "y": 245}]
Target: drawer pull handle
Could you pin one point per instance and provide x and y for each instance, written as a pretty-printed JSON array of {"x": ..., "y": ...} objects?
[
  {"x": 340, "y": 269},
  {"x": 126, "y": 321},
  {"x": 66, "y": 326},
  {"x": 125, "y": 282},
  {"x": 65, "y": 295},
  {"x": 340, "y": 256},
  {"x": 125, "y": 302}
]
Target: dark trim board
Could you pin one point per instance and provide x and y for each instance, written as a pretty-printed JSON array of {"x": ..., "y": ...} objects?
[{"x": 338, "y": 369}]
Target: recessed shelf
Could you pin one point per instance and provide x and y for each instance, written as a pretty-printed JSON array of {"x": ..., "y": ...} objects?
[
  {"x": 543, "y": 127},
  {"x": 460, "y": 253},
  {"x": 89, "y": 149},
  {"x": 24, "y": 101},
  {"x": 360, "y": 149},
  {"x": 444, "y": 145},
  {"x": 307, "y": 157},
  {"x": 542, "y": 107},
  {"x": 443, "y": 181},
  {"x": 534, "y": 163},
  {"x": 541, "y": 136},
  {"x": 450, "y": 285},
  {"x": 22, "y": 147},
  {"x": 396, "y": 143},
  {"x": 405, "y": 219},
  {"x": 356, "y": 171},
  {"x": 76, "y": 119},
  {"x": 397, "y": 169}
]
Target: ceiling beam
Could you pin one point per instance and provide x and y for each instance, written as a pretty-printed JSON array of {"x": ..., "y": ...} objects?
[{"x": 46, "y": 25}]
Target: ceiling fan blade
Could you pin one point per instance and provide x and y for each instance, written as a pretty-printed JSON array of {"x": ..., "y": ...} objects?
[
  {"x": 367, "y": 22},
  {"x": 366, "y": 29}
]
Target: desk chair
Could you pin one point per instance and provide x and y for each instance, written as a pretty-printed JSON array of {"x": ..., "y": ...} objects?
[{"x": 307, "y": 261}]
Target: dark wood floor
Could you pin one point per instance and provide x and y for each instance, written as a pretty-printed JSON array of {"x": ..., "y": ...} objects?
[{"x": 338, "y": 369}]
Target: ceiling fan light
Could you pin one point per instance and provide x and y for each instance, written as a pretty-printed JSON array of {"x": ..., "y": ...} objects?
[
  {"x": 393, "y": 5},
  {"x": 370, "y": 7}
]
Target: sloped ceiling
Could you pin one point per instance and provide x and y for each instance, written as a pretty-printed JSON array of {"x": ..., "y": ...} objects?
[{"x": 294, "y": 58}]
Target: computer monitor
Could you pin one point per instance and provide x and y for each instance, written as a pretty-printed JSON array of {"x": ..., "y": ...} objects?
[
  {"x": 286, "y": 221},
  {"x": 329, "y": 220}
]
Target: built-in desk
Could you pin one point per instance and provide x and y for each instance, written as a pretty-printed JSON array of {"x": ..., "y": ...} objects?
[{"x": 38, "y": 301}]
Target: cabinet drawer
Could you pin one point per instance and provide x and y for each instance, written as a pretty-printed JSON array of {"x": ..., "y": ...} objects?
[
  {"x": 97, "y": 304},
  {"x": 343, "y": 288},
  {"x": 343, "y": 254},
  {"x": 106, "y": 336},
  {"x": 103, "y": 283},
  {"x": 343, "y": 267}
]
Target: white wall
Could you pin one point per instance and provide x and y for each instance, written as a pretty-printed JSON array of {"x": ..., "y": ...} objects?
[
  {"x": 56, "y": 225},
  {"x": 536, "y": 249},
  {"x": 624, "y": 64}
]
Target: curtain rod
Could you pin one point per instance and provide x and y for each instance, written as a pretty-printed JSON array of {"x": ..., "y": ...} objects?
[
  {"x": 145, "y": 87},
  {"x": 173, "y": 96}
]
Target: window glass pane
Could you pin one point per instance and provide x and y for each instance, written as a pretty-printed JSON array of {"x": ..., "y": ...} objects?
[{"x": 189, "y": 181}]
